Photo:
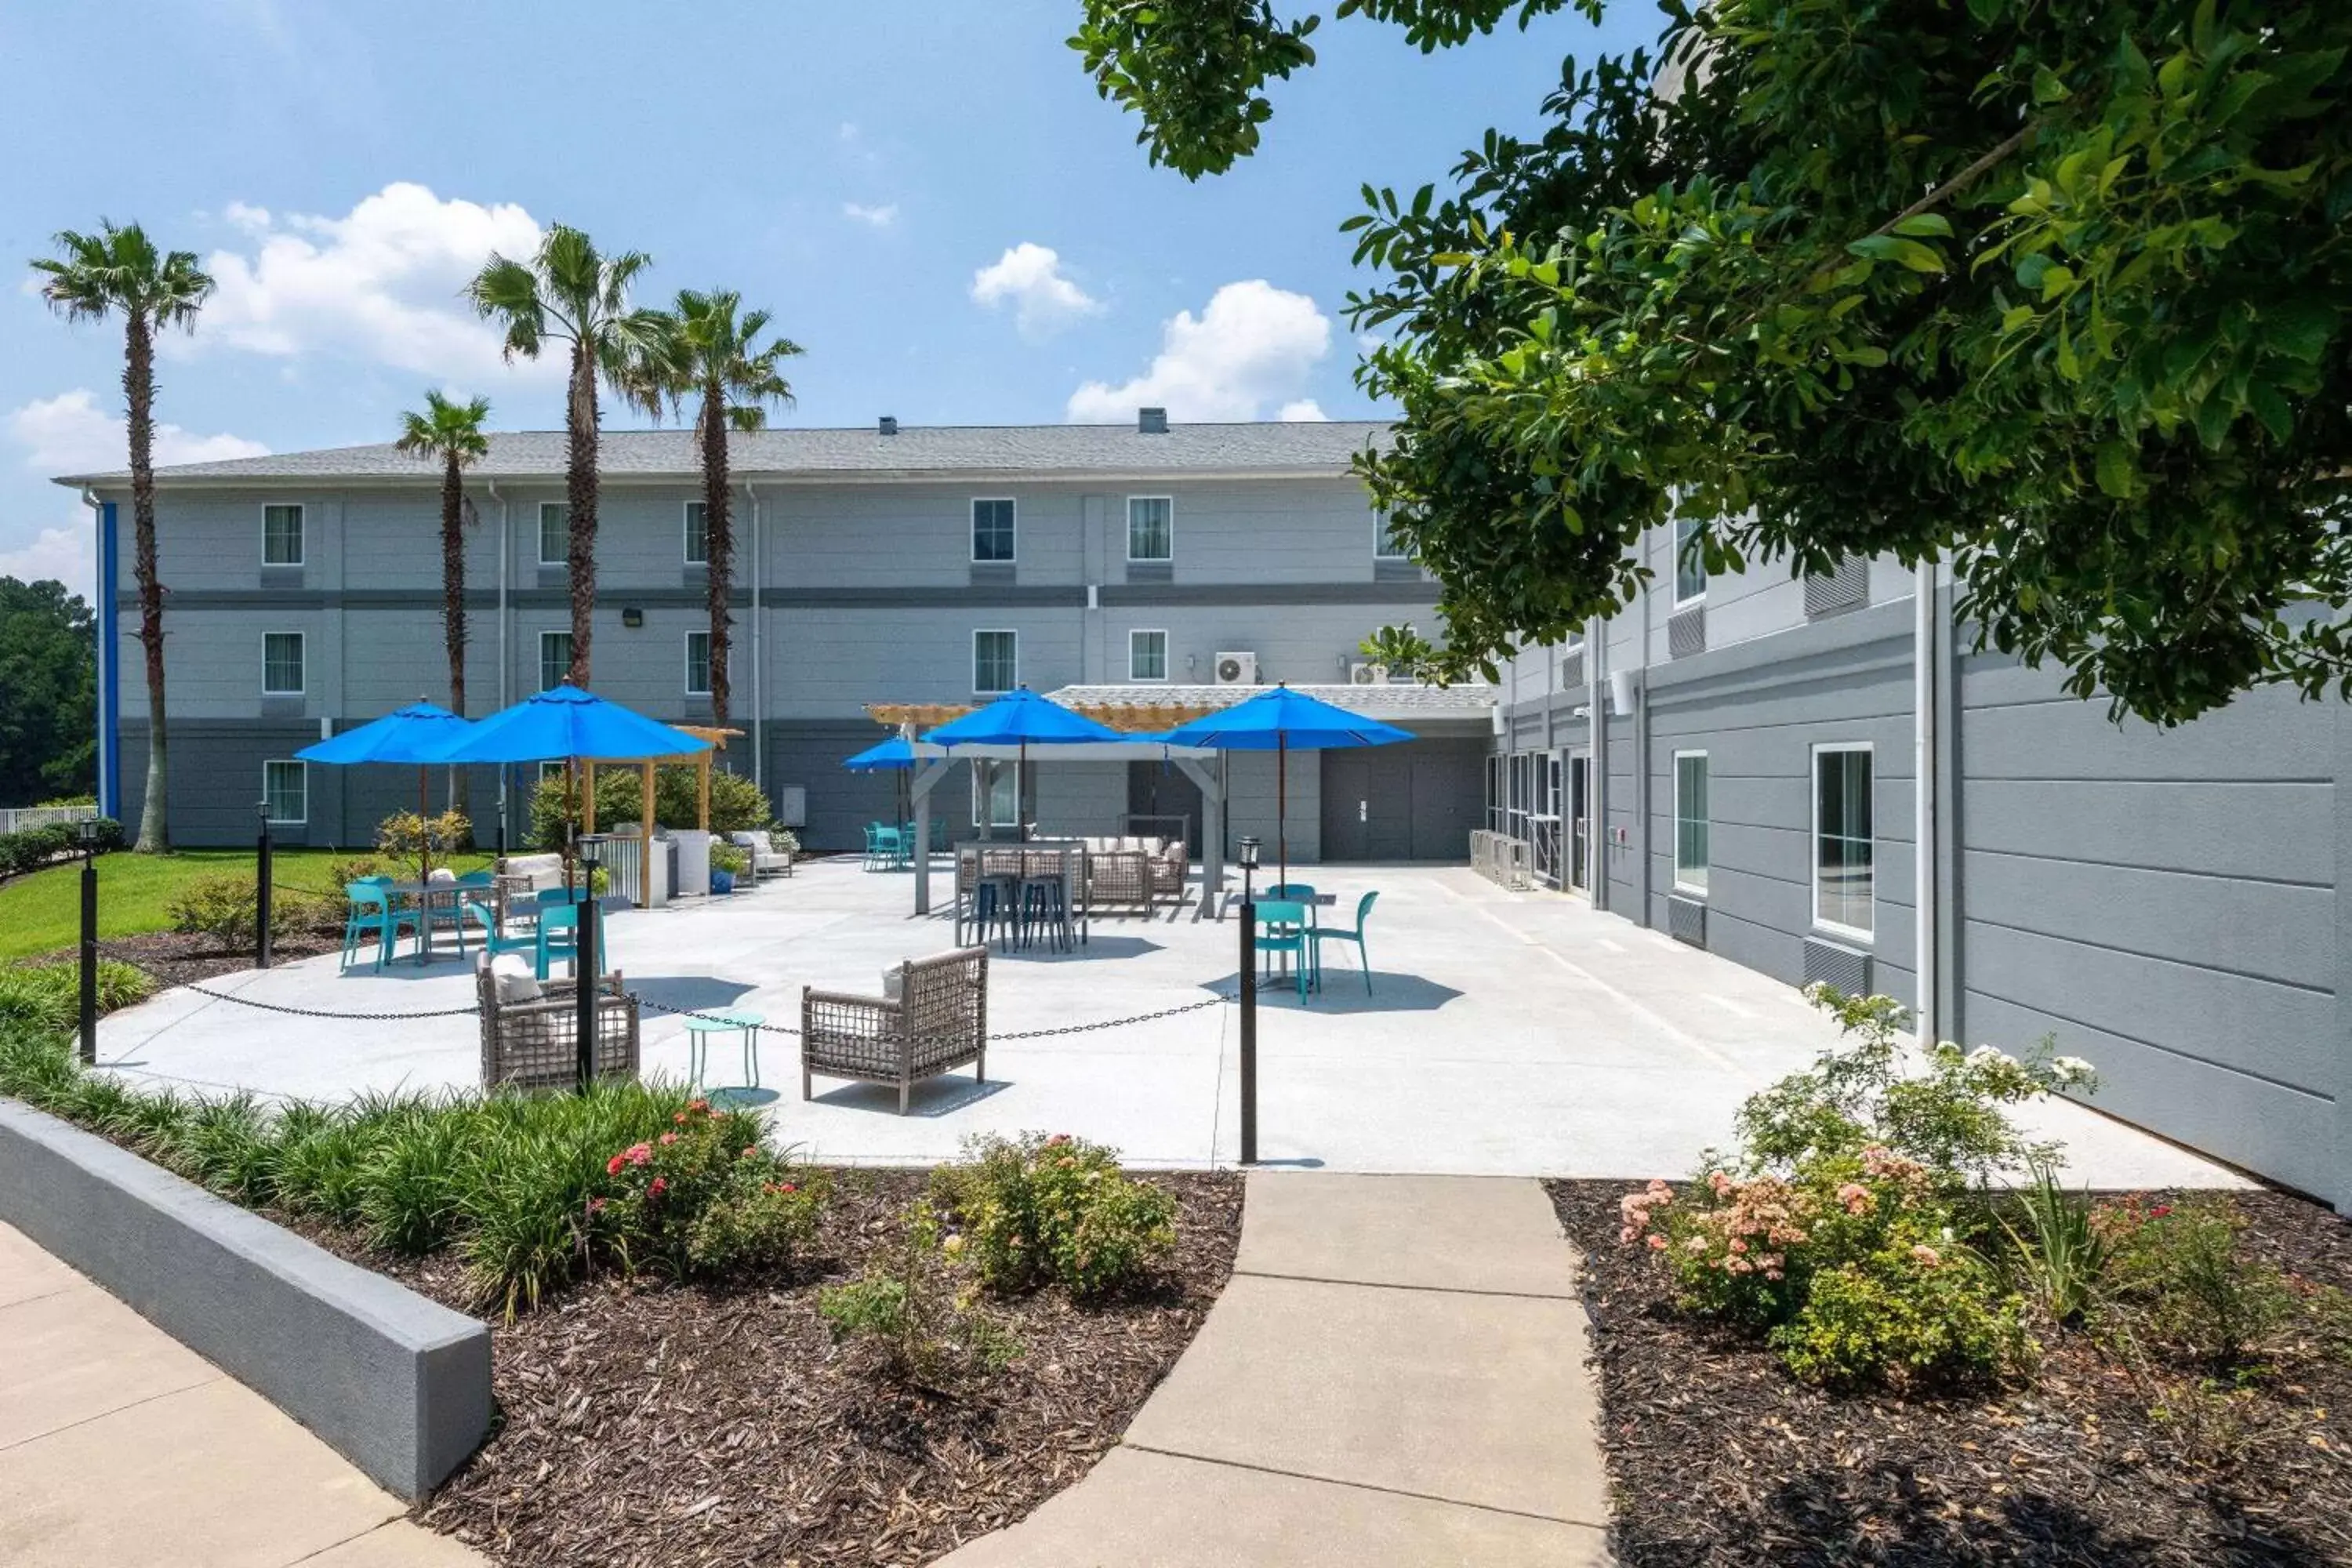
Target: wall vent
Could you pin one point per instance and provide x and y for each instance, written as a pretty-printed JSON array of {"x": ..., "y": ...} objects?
[
  {"x": 1847, "y": 588},
  {"x": 888, "y": 425},
  {"x": 1845, "y": 969},
  {"x": 1687, "y": 920},
  {"x": 1686, "y": 632},
  {"x": 1572, "y": 670}
]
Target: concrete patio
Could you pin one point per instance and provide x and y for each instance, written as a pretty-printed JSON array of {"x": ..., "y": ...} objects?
[{"x": 1506, "y": 1034}]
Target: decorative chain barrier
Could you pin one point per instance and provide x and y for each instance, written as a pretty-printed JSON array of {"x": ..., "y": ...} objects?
[{"x": 323, "y": 1013}]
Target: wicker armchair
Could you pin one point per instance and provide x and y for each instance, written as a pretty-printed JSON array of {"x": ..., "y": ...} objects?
[
  {"x": 1119, "y": 876},
  {"x": 535, "y": 1043},
  {"x": 937, "y": 1020}
]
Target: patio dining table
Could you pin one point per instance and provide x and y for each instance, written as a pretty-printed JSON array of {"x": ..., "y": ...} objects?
[{"x": 422, "y": 895}]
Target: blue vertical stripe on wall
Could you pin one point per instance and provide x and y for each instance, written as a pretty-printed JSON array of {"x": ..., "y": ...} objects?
[{"x": 110, "y": 682}]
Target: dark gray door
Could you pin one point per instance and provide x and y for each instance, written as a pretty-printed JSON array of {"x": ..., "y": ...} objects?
[
  {"x": 1415, "y": 801},
  {"x": 1448, "y": 781},
  {"x": 1158, "y": 789},
  {"x": 1346, "y": 824}
]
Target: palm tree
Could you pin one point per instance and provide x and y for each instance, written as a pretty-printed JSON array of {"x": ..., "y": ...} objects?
[
  {"x": 119, "y": 271},
  {"x": 713, "y": 352},
  {"x": 569, "y": 293},
  {"x": 451, "y": 432}
]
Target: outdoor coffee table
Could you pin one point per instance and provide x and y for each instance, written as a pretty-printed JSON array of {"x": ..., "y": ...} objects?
[{"x": 700, "y": 1026}]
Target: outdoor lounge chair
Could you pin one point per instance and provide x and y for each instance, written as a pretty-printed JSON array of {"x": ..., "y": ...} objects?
[
  {"x": 767, "y": 860},
  {"x": 937, "y": 1020},
  {"x": 530, "y": 1030}
]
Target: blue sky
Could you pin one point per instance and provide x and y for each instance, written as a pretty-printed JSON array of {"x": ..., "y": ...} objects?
[{"x": 930, "y": 198}]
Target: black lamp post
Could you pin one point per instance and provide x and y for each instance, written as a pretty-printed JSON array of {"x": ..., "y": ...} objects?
[
  {"x": 88, "y": 830},
  {"x": 1249, "y": 1003},
  {"x": 261, "y": 891},
  {"x": 583, "y": 963}
]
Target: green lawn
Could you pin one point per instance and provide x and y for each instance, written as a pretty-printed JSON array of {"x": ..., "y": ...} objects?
[{"x": 42, "y": 912}]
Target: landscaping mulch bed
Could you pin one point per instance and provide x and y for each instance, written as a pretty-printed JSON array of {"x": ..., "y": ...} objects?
[
  {"x": 175, "y": 958},
  {"x": 1717, "y": 1456},
  {"x": 658, "y": 1424}
]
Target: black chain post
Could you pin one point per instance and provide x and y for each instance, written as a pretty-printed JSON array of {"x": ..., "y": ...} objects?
[
  {"x": 89, "y": 941},
  {"x": 584, "y": 968},
  {"x": 261, "y": 891},
  {"x": 1249, "y": 1030}
]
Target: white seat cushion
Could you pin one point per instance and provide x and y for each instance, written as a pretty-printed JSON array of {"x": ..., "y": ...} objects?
[{"x": 515, "y": 978}]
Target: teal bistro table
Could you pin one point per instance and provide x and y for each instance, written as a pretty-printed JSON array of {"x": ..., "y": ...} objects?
[{"x": 700, "y": 1026}]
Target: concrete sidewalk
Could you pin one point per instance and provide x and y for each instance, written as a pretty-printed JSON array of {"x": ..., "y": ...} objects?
[
  {"x": 118, "y": 1444},
  {"x": 1395, "y": 1376}
]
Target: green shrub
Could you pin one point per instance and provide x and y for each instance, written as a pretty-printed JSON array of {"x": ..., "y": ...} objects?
[
  {"x": 909, "y": 1315},
  {"x": 48, "y": 996},
  {"x": 736, "y": 803},
  {"x": 341, "y": 873},
  {"x": 30, "y": 849},
  {"x": 1909, "y": 1313},
  {"x": 2178, "y": 1270},
  {"x": 704, "y": 1196},
  {"x": 732, "y": 858},
  {"x": 2061, "y": 1252},
  {"x": 1036, "y": 1208},
  {"x": 222, "y": 906},
  {"x": 405, "y": 838},
  {"x": 411, "y": 1183},
  {"x": 226, "y": 1145}
]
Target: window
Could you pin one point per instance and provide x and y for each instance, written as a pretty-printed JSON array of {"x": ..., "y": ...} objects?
[
  {"x": 996, "y": 661},
  {"x": 1387, "y": 543},
  {"x": 554, "y": 532},
  {"x": 1842, "y": 880},
  {"x": 1690, "y": 566},
  {"x": 552, "y": 771},
  {"x": 698, "y": 664},
  {"x": 698, "y": 534},
  {"x": 993, "y": 531},
  {"x": 1690, "y": 822},
  {"x": 554, "y": 658},
  {"x": 1151, "y": 528},
  {"x": 286, "y": 791},
  {"x": 281, "y": 664},
  {"x": 995, "y": 795},
  {"x": 281, "y": 536},
  {"x": 1146, "y": 656}
]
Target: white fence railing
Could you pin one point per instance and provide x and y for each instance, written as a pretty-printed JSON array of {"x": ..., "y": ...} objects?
[
  {"x": 1499, "y": 858},
  {"x": 25, "y": 817}
]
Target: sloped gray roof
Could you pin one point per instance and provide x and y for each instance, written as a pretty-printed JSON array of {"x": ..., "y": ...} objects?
[{"x": 915, "y": 452}]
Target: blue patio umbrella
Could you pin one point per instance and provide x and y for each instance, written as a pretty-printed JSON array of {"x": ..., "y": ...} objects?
[
  {"x": 564, "y": 723},
  {"x": 1280, "y": 721},
  {"x": 419, "y": 733},
  {"x": 893, "y": 752},
  {"x": 1020, "y": 718}
]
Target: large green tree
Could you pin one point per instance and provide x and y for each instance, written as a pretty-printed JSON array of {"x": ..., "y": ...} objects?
[
  {"x": 118, "y": 271},
  {"x": 570, "y": 293},
  {"x": 714, "y": 355},
  {"x": 2057, "y": 290},
  {"x": 49, "y": 670},
  {"x": 450, "y": 432}
]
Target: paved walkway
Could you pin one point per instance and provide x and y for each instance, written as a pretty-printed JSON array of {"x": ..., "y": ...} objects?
[
  {"x": 118, "y": 1444},
  {"x": 1395, "y": 1376}
]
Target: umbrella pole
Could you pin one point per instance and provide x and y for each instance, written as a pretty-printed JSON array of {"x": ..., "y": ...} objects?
[
  {"x": 424, "y": 838},
  {"x": 1020, "y": 788},
  {"x": 1282, "y": 804}
]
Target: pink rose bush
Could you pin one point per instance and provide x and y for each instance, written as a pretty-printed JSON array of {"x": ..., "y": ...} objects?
[{"x": 703, "y": 1198}]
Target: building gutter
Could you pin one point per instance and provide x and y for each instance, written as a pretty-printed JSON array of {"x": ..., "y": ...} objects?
[
  {"x": 1925, "y": 895},
  {"x": 108, "y": 787},
  {"x": 759, "y": 662}
]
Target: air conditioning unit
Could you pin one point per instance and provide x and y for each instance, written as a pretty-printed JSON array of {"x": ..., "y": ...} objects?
[
  {"x": 1362, "y": 674},
  {"x": 1237, "y": 669}
]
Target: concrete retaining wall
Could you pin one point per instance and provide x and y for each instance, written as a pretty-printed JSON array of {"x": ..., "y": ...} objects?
[{"x": 398, "y": 1385}]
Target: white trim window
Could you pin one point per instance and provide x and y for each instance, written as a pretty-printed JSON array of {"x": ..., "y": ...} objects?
[
  {"x": 552, "y": 771},
  {"x": 1845, "y": 877},
  {"x": 281, "y": 534},
  {"x": 1692, "y": 851},
  {"x": 995, "y": 530},
  {"x": 555, "y": 533},
  {"x": 995, "y": 793},
  {"x": 1151, "y": 528},
  {"x": 1147, "y": 655},
  {"x": 554, "y": 658},
  {"x": 698, "y": 534},
  {"x": 1386, "y": 545},
  {"x": 281, "y": 664},
  {"x": 285, "y": 792},
  {"x": 698, "y": 664},
  {"x": 995, "y": 662},
  {"x": 1690, "y": 565}
]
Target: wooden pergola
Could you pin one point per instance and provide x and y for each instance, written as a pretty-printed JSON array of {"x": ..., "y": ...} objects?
[
  {"x": 911, "y": 719},
  {"x": 646, "y": 766}
]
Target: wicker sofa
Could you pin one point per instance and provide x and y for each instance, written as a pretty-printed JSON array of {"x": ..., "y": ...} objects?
[
  {"x": 532, "y": 1040},
  {"x": 1164, "y": 858},
  {"x": 936, "y": 1020}
]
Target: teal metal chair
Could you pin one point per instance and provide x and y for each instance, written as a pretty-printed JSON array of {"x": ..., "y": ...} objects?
[
  {"x": 1282, "y": 927},
  {"x": 558, "y": 937},
  {"x": 495, "y": 941},
  {"x": 1323, "y": 933},
  {"x": 371, "y": 911}
]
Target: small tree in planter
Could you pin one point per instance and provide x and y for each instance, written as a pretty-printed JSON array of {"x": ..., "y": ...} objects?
[{"x": 728, "y": 861}]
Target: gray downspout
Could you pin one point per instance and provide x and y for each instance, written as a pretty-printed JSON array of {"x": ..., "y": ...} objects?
[
  {"x": 1923, "y": 892},
  {"x": 103, "y": 618},
  {"x": 1596, "y": 786},
  {"x": 1641, "y": 728}
]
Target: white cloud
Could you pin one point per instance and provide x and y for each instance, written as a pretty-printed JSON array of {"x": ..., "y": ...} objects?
[
  {"x": 1303, "y": 410},
  {"x": 1251, "y": 349},
  {"x": 64, "y": 554},
  {"x": 380, "y": 284},
  {"x": 881, "y": 216},
  {"x": 70, "y": 434},
  {"x": 1029, "y": 277}
]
